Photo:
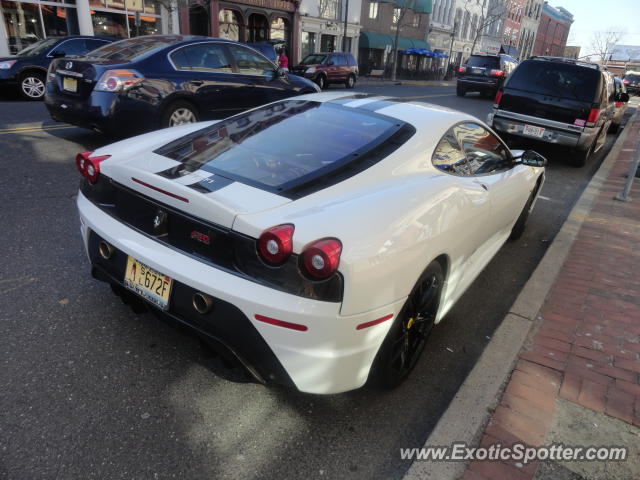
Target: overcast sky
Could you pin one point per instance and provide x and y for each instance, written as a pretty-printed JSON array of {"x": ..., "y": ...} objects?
[{"x": 594, "y": 15}]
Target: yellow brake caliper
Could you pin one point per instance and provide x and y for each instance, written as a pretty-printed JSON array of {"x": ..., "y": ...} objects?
[{"x": 410, "y": 323}]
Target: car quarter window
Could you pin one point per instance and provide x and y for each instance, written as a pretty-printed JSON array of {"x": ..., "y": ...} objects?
[
  {"x": 203, "y": 57},
  {"x": 71, "y": 47},
  {"x": 249, "y": 62},
  {"x": 470, "y": 149}
]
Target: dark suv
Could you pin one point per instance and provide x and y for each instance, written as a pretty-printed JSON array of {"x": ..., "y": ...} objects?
[
  {"x": 557, "y": 101},
  {"x": 484, "y": 74},
  {"x": 326, "y": 68},
  {"x": 631, "y": 80}
]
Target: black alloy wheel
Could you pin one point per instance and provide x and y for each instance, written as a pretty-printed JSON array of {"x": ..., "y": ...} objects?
[{"x": 408, "y": 335}]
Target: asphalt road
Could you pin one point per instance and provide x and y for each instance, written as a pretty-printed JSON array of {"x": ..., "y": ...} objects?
[{"x": 90, "y": 390}]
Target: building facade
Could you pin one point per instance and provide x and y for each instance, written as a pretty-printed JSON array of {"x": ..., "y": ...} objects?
[
  {"x": 24, "y": 22},
  {"x": 441, "y": 25},
  {"x": 529, "y": 27},
  {"x": 553, "y": 31},
  {"x": 493, "y": 26},
  {"x": 468, "y": 29},
  {"x": 380, "y": 20},
  {"x": 322, "y": 26},
  {"x": 515, "y": 10}
]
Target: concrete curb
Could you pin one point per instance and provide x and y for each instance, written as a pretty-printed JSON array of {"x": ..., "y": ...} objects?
[{"x": 467, "y": 414}]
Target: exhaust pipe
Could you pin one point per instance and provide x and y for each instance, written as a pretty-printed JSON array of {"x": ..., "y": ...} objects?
[
  {"x": 105, "y": 250},
  {"x": 202, "y": 303}
]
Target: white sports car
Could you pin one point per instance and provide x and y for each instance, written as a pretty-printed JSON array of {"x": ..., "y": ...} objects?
[{"x": 317, "y": 240}]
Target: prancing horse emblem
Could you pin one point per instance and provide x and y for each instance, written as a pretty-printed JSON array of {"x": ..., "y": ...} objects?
[
  {"x": 68, "y": 65},
  {"x": 159, "y": 221}
]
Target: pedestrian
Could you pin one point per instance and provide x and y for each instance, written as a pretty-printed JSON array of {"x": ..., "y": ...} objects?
[{"x": 283, "y": 61}]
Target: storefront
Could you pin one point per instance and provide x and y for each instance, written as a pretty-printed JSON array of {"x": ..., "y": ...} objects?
[
  {"x": 245, "y": 21},
  {"x": 27, "y": 21}
]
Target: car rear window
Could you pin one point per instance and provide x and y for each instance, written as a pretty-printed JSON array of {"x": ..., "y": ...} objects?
[
  {"x": 128, "y": 50},
  {"x": 632, "y": 78},
  {"x": 556, "y": 79},
  {"x": 483, "y": 62},
  {"x": 283, "y": 145},
  {"x": 313, "y": 60}
]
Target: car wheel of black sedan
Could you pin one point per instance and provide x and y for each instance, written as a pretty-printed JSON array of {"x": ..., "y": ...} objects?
[
  {"x": 351, "y": 81},
  {"x": 179, "y": 113},
  {"x": 408, "y": 335},
  {"x": 32, "y": 86}
]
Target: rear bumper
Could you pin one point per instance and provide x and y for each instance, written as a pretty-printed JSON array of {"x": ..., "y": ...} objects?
[
  {"x": 105, "y": 112},
  {"x": 331, "y": 356},
  {"x": 478, "y": 83},
  {"x": 513, "y": 124}
]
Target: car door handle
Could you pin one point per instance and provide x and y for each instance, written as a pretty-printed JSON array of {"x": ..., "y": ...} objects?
[
  {"x": 197, "y": 83},
  {"x": 482, "y": 184}
]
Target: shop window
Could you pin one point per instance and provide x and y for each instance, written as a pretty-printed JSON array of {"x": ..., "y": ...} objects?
[
  {"x": 258, "y": 28},
  {"x": 59, "y": 21},
  {"x": 109, "y": 24},
  {"x": 143, "y": 25},
  {"x": 327, "y": 43},
  {"x": 279, "y": 30},
  {"x": 229, "y": 22},
  {"x": 308, "y": 43},
  {"x": 22, "y": 21}
]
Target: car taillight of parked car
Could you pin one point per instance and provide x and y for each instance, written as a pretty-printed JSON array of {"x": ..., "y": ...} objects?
[
  {"x": 275, "y": 245},
  {"x": 462, "y": 70},
  {"x": 89, "y": 166},
  {"x": 496, "y": 101},
  {"x": 594, "y": 114},
  {"x": 496, "y": 73},
  {"x": 626, "y": 82},
  {"x": 321, "y": 258},
  {"x": 118, "y": 80}
]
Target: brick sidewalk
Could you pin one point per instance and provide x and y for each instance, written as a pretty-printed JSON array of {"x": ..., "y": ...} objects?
[{"x": 587, "y": 348}]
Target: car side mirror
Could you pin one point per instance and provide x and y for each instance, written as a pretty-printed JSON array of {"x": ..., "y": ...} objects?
[
  {"x": 280, "y": 73},
  {"x": 58, "y": 53},
  {"x": 532, "y": 158},
  {"x": 623, "y": 97}
]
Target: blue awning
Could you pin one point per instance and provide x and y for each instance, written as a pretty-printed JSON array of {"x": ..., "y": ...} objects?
[
  {"x": 380, "y": 41},
  {"x": 418, "y": 6}
]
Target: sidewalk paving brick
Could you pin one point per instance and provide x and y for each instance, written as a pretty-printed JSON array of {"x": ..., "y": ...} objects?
[{"x": 587, "y": 347}]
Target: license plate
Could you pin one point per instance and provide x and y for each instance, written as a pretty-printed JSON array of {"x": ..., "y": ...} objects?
[
  {"x": 533, "y": 131},
  {"x": 69, "y": 84},
  {"x": 148, "y": 283},
  {"x": 477, "y": 70}
]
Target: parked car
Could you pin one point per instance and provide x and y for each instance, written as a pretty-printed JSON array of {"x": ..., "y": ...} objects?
[
  {"x": 327, "y": 68},
  {"x": 557, "y": 101},
  {"x": 317, "y": 262},
  {"x": 632, "y": 82},
  {"x": 27, "y": 69},
  {"x": 484, "y": 73},
  {"x": 620, "y": 105},
  {"x": 145, "y": 83}
]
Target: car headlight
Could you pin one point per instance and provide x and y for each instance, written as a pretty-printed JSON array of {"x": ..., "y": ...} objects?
[
  {"x": 7, "y": 64},
  {"x": 310, "y": 70}
]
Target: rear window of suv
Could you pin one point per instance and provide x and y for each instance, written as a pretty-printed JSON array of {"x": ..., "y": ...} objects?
[
  {"x": 483, "y": 61},
  {"x": 556, "y": 79}
]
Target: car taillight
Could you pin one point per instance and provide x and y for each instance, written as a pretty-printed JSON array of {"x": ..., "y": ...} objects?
[
  {"x": 496, "y": 101},
  {"x": 619, "y": 104},
  {"x": 275, "y": 245},
  {"x": 626, "y": 82},
  {"x": 462, "y": 69},
  {"x": 594, "y": 113},
  {"x": 89, "y": 166},
  {"x": 321, "y": 258},
  {"x": 496, "y": 73},
  {"x": 118, "y": 80}
]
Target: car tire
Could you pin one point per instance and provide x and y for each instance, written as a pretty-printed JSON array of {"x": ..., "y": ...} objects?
[
  {"x": 614, "y": 128},
  {"x": 521, "y": 223},
  {"x": 460, "y": 91},
  {"x": 179, "y": 113},
  {"x": 350, "y": 82},
  {"x": 581, "y": 156},
  {"x": 321, "y": 81},
  {"x": 32, "y": 85},
  {"x": 407, "y": 336}
]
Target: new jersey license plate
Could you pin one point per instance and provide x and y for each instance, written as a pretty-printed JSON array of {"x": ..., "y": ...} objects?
[
  {"x": 69, "y": 84},
  {"x": 533, "y": 131},
  {"x": 148, "y": 283}
]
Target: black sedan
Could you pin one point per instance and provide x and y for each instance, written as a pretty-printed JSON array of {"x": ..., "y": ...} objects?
[
  {"x": 28, "y": 68},
  {"x": 145, "y": 83}
]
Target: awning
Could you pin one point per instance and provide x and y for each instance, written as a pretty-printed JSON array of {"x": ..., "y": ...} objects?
[
  {"x": 418, "y": 6},
  {"x": 380, "y": 41}
]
